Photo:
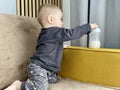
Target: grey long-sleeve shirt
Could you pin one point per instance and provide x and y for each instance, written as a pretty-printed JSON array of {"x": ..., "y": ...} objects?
[{"x": 50, "y": 45}]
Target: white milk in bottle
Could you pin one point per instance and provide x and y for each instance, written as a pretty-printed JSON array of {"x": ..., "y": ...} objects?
[{"x": 94, "y": 38}]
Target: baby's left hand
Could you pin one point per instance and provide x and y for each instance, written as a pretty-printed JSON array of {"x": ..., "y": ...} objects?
[{"x": 94, "y": 26}]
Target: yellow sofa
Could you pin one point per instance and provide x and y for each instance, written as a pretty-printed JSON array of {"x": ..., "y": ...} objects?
[{"x": 98, "y": 66}]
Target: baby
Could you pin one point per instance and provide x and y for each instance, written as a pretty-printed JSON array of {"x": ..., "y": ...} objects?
[{"x": 46, "y": 61}]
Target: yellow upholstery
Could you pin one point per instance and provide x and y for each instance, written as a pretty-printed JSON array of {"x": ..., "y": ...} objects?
[{"x": 98, "y": 66}]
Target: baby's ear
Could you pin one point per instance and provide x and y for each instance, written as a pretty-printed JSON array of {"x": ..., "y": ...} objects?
[{"x": 50, "y": 18}]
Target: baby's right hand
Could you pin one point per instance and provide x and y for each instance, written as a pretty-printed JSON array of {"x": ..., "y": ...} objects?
[{"x": 94, "y": 26}]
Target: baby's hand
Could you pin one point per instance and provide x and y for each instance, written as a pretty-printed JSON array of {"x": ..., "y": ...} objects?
[
  {"x": 94, "y": 26},
  {"x": 65, "y": 46}
]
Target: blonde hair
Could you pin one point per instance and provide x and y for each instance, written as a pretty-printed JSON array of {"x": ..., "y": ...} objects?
[{"x": 46, "y": 10}]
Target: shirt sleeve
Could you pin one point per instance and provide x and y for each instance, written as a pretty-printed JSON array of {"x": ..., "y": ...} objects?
[{"x": 74, "y": 33}]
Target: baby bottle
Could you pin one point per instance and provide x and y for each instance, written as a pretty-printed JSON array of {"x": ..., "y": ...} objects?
[{"x": 94, "y": 38}]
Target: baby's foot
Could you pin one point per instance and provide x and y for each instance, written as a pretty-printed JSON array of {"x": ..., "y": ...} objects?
[{"x": 14, "y": 86}]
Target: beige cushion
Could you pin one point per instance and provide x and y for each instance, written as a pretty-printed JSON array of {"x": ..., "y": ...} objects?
[
  {"x": 69, "y": 84},
  {"x": 18, "y": 36}
]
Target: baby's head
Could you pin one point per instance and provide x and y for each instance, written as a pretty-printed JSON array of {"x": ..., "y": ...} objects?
[{"x": 50, "y": 16}]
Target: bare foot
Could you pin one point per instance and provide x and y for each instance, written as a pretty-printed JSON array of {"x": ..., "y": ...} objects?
[{"x": 14, "y": 86}]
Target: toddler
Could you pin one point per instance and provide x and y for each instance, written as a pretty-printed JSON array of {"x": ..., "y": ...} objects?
[{"x": 46, "y": 61}]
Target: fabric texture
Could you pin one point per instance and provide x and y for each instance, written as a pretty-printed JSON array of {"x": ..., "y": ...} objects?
[
  {"x": 69, "y": 84},
  {"x": 18, "y": 36},
  {"x": 37, "y": 78},
  {"x": 98, "y": 66}
]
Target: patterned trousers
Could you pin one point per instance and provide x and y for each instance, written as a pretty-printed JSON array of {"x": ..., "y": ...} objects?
[{"x": 39, "y": 78}]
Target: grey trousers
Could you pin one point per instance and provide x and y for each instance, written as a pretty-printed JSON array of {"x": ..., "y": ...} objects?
[{"x": 39, "y": 78}]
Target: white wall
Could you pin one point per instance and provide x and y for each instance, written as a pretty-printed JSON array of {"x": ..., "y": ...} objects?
[{"x": 8, "y": 6}]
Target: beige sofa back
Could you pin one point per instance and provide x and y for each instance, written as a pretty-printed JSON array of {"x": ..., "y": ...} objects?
[{"x": 18, "y": 36}]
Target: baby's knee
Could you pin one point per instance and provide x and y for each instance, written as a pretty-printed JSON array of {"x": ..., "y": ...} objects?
[{"x": 17, "y": 82}]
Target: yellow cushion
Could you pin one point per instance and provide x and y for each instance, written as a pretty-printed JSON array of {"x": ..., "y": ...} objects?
[{"x": 98, "y": 66}]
